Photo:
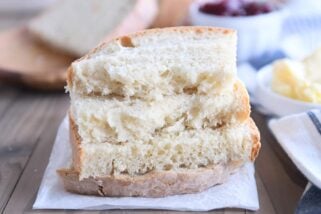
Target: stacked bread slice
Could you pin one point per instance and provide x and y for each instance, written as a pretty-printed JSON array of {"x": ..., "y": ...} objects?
[{"x": 157, "y": 113}]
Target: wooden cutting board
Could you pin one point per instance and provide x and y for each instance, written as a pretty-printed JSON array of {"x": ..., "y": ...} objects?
[
  {"x": 25, "y": 61},
  {"x": 172, "y": 13}
]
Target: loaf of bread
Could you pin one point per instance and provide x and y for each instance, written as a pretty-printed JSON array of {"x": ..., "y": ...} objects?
[
  {"x": 77, "y": 26},
  {"x": 157, "y": 113}
]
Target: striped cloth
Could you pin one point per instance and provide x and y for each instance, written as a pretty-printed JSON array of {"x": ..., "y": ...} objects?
[
  {"x": 310, "y": 202},
  {"x": 300, "y": 137}
]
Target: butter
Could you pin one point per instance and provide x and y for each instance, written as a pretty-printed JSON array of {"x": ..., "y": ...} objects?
[{"x": 300, "y": 80}]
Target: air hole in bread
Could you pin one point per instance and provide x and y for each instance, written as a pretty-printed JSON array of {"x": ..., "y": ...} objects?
[
  {"x": 182, "y": 166},
  {"x": 168, "y": 167},
  {"x": 100, "y": 190},
  {"x": 165, "y": 74},
  {"x": 134, "y": 150},
  {"x": 190, "y": 90},
  {"x": 179, "y": 149},
  {"x": 161, "y": 152},
  {"x": 125, "y": 41}
]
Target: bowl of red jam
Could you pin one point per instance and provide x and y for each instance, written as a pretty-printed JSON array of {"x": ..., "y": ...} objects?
[{"x": 258, "y": 23}]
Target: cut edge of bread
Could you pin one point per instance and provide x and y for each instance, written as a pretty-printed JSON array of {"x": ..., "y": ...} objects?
[
  {"x": 154, "y": 183},
  {"x": 75, "y": 140},
  {"x": 126, "y": 41},
  {"x": 241, "y": 115},
  {"x": 235, "y": 111}
]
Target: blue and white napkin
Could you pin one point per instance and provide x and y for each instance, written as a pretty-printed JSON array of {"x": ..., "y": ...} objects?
[{"x": 300, "y": 137}]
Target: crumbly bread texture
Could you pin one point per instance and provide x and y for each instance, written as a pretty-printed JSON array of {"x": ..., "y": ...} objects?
[
  {"x": 117, "y": 120},
  {"x": 77, "y": 26},
  {"x": 157, "y": 113},
  {"x": 157, "y": 183},
  {"x": 158, "y": 62},
  {"x": 167, "y": 151}
]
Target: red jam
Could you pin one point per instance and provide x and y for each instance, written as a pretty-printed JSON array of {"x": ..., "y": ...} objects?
[{"x": 236, "y": 8}]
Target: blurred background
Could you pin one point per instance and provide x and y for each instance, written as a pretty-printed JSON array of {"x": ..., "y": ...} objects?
[{"x": 40, "y": 38}]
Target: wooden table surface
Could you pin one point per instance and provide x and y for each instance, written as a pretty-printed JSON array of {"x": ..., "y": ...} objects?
[{"x": 28, "y": 125}]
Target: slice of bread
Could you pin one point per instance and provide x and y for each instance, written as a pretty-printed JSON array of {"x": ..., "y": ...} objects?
[
  {"x": 159, "y": 62},
  {"x": 101, "y": 120},
  {"x": 158, "y": 112},
  {"x": 77, "y": 26},
  {"x": 165, "y": 151},
  {"x": 159, "y": 183}
]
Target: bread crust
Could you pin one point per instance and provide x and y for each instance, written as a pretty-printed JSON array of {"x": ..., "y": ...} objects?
[
  {"x": 182, "y": 30},
  {"x": 152, "y": 184},
  {"x": 244, "y": 111},
  {"x": 256, "y": 139}
]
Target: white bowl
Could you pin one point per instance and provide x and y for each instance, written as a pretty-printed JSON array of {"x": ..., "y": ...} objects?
[
  {"x": 273, "y": 102},
  {"x": 256, "y": 34}
]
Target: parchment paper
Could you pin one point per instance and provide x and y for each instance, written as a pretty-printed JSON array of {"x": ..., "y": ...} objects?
[{"x": 239, "y": 191}]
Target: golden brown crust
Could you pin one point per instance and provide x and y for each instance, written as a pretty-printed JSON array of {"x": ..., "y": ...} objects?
[
  {"x": 70, "y": 73},
  {"x": 255, "y": 135},
  {"x": 182, "y": 30},
  {"x": 75, "y": 141},
  {"x": 244, "y": 108}
]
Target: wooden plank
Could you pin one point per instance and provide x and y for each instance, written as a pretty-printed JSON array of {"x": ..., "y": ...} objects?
[
  {"x": 21, "y": 128},
  {"x": 26, "y": 189},
  {"x": 12, "y": 157},
  {"x": 266, "y": 205},
  {"x": 10, "y": 169},
  {"x": 283, "y": 190},
  {"x": 7, "y": 97}
]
